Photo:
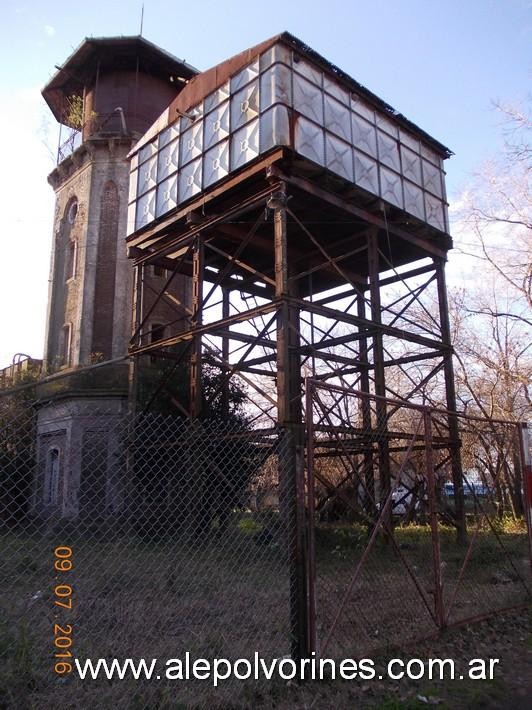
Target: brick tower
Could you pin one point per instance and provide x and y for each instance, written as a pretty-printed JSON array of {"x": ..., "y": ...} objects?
[{"x": 104, "y": 97}]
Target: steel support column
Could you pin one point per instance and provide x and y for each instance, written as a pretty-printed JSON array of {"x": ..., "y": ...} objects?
[
  {"x": 439, "y": 610},
  {"x": 450, "y": 395},
  {"x": 196, "y": 320},
  {"x": 379, "y": 372},
  {"x": 138, "y": 295},
  {"x": 369, "y": 475},
  {"x": 225, "y": 353},
  {"x": 291, "y": 433}
]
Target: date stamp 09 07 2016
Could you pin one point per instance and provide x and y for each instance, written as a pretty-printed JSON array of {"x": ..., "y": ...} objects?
[{"x": 63, "y": 599}]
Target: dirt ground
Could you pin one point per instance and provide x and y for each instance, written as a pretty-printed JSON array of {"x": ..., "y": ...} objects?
[
  {"x": 156, "y": 600},
  {"x": 507, "y": 637}
]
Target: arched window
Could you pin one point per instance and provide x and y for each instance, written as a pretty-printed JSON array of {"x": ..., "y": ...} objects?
[
  {"x": 72, "y": 211},
  {"x": 66, "y": 345},
  {"x": 51, "y": 483},
  {"x": 67, "y": 245}
]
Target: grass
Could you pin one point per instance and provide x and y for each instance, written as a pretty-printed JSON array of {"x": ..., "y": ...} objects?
[{"x": 227, "y": 596}]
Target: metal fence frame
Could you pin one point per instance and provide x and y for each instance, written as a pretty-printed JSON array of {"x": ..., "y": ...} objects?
[{"x": 442, "y": 605}]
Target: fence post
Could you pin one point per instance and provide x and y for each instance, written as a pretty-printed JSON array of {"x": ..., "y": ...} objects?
[
  {"x": 133, "y": 396},
  {"x": 434, "y": 527},
  {"x": 311, "y": 503},
  {"x": 524, "y": 446}
]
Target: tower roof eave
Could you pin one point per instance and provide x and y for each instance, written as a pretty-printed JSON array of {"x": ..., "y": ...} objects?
[{"x": 95, "y": 54}]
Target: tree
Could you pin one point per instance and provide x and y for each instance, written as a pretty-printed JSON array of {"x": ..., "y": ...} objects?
[
  {"x": 190, "y": 476},
  {"x": 492, "y": 319},
  {"x": 17, "y": 451},
  {"x": 497, "y": 217}
]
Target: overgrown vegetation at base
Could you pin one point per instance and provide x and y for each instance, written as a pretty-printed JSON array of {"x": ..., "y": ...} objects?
[{"x": 222, "y": 597}]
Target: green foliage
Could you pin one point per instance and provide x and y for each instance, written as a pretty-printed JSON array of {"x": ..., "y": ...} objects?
[
  {"x": 17, "y": 451},
  {"x": 509, "y": 525},
  {"x": 74, "y": 115},
  {"x": 163, "y": 388},
  {"x": 191, "y": 476}
]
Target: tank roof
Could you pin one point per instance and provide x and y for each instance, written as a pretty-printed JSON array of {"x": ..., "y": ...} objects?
[{"x": 208, "y": 81}]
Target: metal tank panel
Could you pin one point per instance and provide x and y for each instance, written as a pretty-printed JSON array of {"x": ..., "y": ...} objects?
[{"x": 252, "y": 112}]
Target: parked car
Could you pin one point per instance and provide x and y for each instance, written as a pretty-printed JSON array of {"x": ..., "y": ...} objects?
[
  {"x": 402, "y": 501},
  {"x": 470, "y": 489}
]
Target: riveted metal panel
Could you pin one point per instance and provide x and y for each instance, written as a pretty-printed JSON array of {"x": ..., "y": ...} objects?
[
  {"x": 434, "y": 211},
  {"x": 167, "y": 162},
  {"x": 148, "y": 151},
  {"x": 147, "y": 175},
  {"x": 216, "y": 125},
  {"x": 245, "y": 105},
  {"x": 133, "y": 178},
  {"x": 387, "y": 125},
  {"x": 411, "y": 165},
  {"x": 337, "y": 118},
  {"x": 366, "y": 172},
  {"x": 166, "y": 195},
  {"x": 362, "y": 108},
  {"x": 191, "y": 143},
  {"x": 432, "y": 178},
  {"x": 244, "y": 77},
  {"x": 245, "y": 144},
  {"x": 446, "y": 217},
  {"x": 429, "y": 154},
  {"x": 307, "y": 70},
  {"x": 131, "y": 211},
  {"x": 409, "y": 140},
  {"x": 364, "y": 135},
  {"x": 339, "y": 156},
  {"x": 216, "y": 163},
  {"x": 275, "y": 86},
  {"x": 388, "y": 150},
  {"x": 334, "y": 89},
  {"x": 274, "y": 128},
  {"x": 190, "y": 180},
  {"x": 277, "y": 53},
  {"x": 308, "y": 99},
  {"x": 217, "y": 97},
  {"x": 145, "y": 209},
  {"x": 168, "y": 135},
  {"x": 309, "y": 140},
  {"x": 391, "y": 187},
  {"x": 414, "y": 203}
]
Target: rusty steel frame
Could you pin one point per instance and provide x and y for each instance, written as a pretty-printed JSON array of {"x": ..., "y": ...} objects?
[
  {"x": 442, "y": 610},
  {"x": 255, "y": 241},
  {"x": 383, "y": 519}
]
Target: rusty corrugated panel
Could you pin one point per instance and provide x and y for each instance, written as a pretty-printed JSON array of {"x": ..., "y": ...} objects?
[{"x": 205, "y": 83}]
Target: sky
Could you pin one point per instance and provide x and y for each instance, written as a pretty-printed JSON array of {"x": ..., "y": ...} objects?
[{"x": 441, "y": 64}]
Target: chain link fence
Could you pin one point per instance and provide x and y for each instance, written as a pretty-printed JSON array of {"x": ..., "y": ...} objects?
[
  {"x": 390, "y": 565},
  {"x": 145, "y": 535}
]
